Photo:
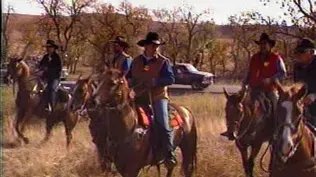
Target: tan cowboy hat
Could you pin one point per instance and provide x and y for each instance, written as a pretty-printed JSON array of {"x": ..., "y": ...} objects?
[
  {"x": 151, "y": 37},
  {"x": 121, "y": 41},
  {"x": 51, "y": 43},
  {"x": 265, "y": 38}
]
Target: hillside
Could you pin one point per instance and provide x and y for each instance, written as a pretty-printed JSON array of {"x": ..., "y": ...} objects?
[{"x": 18, "y": 21}]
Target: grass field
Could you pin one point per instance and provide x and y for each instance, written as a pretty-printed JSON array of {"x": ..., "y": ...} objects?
[{"x": 217, "y": 157}]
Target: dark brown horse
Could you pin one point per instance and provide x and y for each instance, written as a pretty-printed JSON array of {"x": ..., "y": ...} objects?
[
  {"x": 294, "y": 148},
  {"x": 249, "y": 124},
  {"x": 130, "y": 150},
  {"x": 29, "y": 102}
]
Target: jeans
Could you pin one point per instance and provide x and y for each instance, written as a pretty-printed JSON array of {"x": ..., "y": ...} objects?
[
  {"x": 51, "y": 91},
  {"x": 162, "y": 119},
  {"x": 274, "y": 98}
]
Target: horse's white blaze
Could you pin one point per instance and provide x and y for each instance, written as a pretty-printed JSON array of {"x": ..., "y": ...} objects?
[{"x": 286, "y": 135}]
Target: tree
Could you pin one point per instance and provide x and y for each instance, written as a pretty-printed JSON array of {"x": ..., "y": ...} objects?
[
  {"x": 63, "y": 17},
  {"x": 5, "y": 36},
  {"x": 173, "y": 31},
  {"x": 108, "y": 22},
  {"x": 244, "y": 32},
  {"x": 302, "y": 15},
  {"x": 192, "y": 23}
]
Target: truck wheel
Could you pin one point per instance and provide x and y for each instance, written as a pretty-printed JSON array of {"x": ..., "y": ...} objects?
[{"x": 196, "y": 86}]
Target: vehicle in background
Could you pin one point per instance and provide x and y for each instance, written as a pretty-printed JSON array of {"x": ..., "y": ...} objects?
[
  {"x": 187, "y": 74},
  {"x": 64, "y": 74}
]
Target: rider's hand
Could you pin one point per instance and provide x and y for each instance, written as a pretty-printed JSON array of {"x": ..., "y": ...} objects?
[{"x": 132, "y": 94}]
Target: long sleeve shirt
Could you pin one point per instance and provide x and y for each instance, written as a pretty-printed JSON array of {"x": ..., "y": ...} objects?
[
  {"x": 53, "y": 64},
  {"x": 307, "y": 75}
]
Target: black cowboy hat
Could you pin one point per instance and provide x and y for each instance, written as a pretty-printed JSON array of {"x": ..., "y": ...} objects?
[
  {"x": 265, "y": 38},
  {"x": 305, "y": 44},
  {"x": 121, "y": 41},
  {"x": 51, "y": 43},
  {"x": 151, "y": 37}
]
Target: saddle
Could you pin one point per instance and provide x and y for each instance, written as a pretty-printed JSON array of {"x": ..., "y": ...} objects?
[
  {"x": 62, "y": 93},
  {"x": 145, "y": 116}
]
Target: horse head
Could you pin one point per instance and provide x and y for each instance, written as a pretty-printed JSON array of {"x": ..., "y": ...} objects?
[
  {"x": 112, "y": 89},
  {"x": 289, "y": 117},
  {"x": 14, "y": 70},
  {"x": 234, "y": 109},
  {"x": 82, "y": 92}
]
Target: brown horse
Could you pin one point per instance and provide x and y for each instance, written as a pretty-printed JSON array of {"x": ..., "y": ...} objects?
[
  {"x": 29, "y": 102},
  {"x": 129, "y": 149},
  {"x": 249, "y": 124},
  {"x": 294, "y": 146},
  {"x": 81, "y": 94},
  {"x": 81, "y": 100}
]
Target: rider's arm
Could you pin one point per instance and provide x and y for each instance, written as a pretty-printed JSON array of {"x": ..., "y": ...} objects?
[
  {"x": 166, "y": 76},
  {"x": 128, "y": 76},
  {"x": 42, "y": 63},
  {"x": 127, "y": 64},
  {"x": 281, "y": 71}
]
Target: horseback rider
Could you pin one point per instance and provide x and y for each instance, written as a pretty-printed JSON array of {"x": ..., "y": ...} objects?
[
  {"x": 305, "y": 71},
  {"x": 121, "y": 60},
  {"x": 264, "y": 68},
  {"x": 150, "y": 74},
  {"x": 51, "y": 66}
]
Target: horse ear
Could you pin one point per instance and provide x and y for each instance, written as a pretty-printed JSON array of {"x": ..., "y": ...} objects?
[
  {"x": 226, "y": 93},
  {"x": 79, "y": 76},
  {"x": 301, "y": 93},
  {"x": 19, "y": 59},
  {"x": 89, "y": 79}
]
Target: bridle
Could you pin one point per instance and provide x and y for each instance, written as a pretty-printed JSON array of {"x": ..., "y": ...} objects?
[{"x": 295, "y": 127}]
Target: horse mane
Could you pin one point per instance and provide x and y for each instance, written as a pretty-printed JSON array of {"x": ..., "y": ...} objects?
[
  {"x": 296, "y": 87},
  {"x": 26, "y": 69}
]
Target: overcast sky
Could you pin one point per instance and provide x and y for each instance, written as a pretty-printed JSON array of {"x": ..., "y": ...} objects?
[{"x": 220, "y": 9}]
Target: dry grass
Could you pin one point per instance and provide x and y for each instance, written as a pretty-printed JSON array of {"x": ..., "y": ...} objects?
[{"x": 216, "y": 156}]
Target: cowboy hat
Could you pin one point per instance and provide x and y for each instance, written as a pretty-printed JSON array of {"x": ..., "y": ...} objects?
[
  {"x": 265, "y": 38},
  {"x": 151, "y": 37},
  {"x": 51, "y": 43},
  {"x": 120, "y": 40},
  {"x": 304, "y": 45}
]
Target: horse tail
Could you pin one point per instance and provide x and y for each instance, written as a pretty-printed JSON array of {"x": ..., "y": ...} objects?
[{"x": 188, "y": 147}]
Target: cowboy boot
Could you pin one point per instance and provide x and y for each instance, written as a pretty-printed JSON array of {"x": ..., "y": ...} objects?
[{"x": 170, "y": 157}]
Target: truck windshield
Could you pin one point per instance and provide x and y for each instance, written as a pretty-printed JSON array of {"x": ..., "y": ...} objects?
[{"x": 191, "y": 68}]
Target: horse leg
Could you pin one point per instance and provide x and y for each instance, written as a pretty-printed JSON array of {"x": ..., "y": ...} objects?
[
  {"x": 158, "y": 170},
  {"x": 244, "y": 156},
  {"x": 254, "y": 152},
  {"x": 20, "y": 123},
  {"x": 169, "y": 172},
  {"x": 70, "y": 123},
  {"x": 188, "y": 146},
  {"x": 50, "y": 123}
]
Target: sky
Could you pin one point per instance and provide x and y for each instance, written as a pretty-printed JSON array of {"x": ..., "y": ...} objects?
[{"x": 220, "y": 9}]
